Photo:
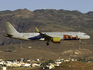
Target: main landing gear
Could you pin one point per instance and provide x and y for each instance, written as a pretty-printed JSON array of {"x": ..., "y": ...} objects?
[{"x": 47, "y": 43}]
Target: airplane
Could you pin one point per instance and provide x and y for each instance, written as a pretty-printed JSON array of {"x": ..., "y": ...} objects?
[{"x": 55, "y": 37}]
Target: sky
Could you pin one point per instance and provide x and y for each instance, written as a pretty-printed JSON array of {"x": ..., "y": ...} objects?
[{"x": 83, "y": 6}]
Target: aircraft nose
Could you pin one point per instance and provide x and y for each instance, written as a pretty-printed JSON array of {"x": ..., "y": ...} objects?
[{"x": 88, "y": 37}]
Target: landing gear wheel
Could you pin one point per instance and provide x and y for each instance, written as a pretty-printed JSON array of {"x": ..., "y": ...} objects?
[{"x": 47, "y": 43}]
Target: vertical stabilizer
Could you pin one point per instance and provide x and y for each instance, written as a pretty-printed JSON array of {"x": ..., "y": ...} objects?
[{"x": 10, "y": 28}]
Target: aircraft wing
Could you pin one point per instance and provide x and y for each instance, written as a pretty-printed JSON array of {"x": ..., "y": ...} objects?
[{"x": 47, "y": 37}]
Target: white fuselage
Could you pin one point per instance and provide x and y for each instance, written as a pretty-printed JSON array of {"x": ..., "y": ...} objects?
[{"x": 36, "y": 36}]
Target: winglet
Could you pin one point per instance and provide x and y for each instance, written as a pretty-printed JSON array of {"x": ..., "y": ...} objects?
[{"x": 37, "y": 29}]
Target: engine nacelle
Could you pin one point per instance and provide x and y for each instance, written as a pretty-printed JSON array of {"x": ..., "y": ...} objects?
[{"x": 56, "y": 40}]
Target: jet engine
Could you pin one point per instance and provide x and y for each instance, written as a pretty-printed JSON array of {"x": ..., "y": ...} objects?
[{"x": 56, "y": 40}]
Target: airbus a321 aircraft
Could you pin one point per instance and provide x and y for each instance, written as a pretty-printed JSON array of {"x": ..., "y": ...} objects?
[{"x": 55, "y": 37}]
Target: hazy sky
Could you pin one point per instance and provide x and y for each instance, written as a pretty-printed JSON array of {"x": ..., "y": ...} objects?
[{"x": 83, "y": 6}]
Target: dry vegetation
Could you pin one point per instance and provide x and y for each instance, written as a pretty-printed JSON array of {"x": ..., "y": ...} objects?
[{"x": 39, "y": 50}]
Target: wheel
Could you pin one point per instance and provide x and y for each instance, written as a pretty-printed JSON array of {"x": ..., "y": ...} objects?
[{"x": 47, "y": 43}]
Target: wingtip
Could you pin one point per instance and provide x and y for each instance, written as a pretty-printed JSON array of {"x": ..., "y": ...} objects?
[{"x": 36, "y": 29}]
